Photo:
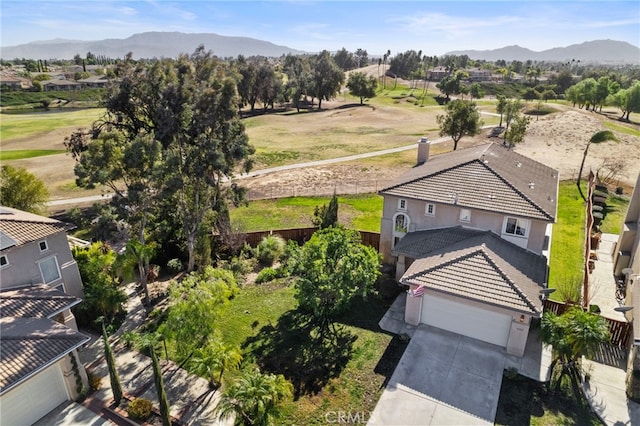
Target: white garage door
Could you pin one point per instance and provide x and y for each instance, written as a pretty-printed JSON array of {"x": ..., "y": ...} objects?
[
  {"x": 467, "y": 320},
  {"x": 25, "y": 404}
]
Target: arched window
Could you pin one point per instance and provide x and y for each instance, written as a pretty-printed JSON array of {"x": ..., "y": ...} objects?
[{"x": 400, "y": 227}]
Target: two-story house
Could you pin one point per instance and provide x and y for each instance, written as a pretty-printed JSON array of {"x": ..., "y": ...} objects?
[
  {"x": 39, "y": 284},
  {"x": 468, "y": 232},
  {"x": 626, "y": 267}
]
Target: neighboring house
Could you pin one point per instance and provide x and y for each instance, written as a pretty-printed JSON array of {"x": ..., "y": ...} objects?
[
  {"x": 479, "y": 74},
  {"x": 626, "y": 267},
  {"x": 39, "y": 285},
  {"x": 94, "y": 81},
  {"x": 469, "y": 232},
  {"x": 10, "y": 83},
  {"x": 57, "y": 85}
]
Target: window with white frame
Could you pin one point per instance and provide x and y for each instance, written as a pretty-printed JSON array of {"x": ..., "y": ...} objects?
[
  {"x": 49, "y": 269},
  {"x": 516, "y": 227},
  {"x": 43, "y": 245},
  {"x": 465, "y": 215},
  {"x": 402, "y": 204},
  {"x": 4, "y": 261},
  {"x": 430, "y": 209}
]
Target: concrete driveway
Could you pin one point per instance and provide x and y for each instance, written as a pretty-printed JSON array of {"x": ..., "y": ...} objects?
[{"x": 443, "y": 379}]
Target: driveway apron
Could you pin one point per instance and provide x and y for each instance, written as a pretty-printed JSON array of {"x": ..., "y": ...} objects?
[{"x": 443, "y": 378}]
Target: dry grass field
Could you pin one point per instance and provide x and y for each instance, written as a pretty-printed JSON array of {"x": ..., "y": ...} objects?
[{"x": 342, "y": 128}]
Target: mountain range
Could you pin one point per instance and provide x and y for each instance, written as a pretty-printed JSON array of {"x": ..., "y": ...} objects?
[
  {"x": 171, "y": 44},
  {"x": 147, "y": 45},
  {"x": 601, "y": 51}
]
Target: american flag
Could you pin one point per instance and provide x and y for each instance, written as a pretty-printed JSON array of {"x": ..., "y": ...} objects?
[{"x": 417, "y": 292}]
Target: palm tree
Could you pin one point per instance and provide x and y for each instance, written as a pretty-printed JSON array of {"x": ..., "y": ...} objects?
[
  {"x": 598, "y": 137},
  {"x": 216, "y": 357},
  {"x": 572, "y": 335},
  {"x": 138, "y": 255},
  {"x": 254, "y": 398}
]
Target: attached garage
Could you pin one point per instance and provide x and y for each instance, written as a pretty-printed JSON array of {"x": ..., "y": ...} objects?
[
  {"x": 470, "y": 321},
  {"x": 31, "y": 400}
]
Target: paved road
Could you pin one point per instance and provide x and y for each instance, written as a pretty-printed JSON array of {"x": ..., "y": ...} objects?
[{"x": 92, "y": 198}]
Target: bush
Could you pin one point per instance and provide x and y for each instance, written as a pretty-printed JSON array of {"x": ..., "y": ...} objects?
[
  {"x": 139, "y": 409},
  {"x": 239, "y": 266},
  {"x": 270, "y": 249},
  {"x": 267, "y": 274},
  {"x": 174, "y": 266},
  {"x": 95, "y": 381}
]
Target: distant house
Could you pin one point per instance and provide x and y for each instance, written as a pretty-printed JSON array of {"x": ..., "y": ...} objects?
[
  {"x": 478, "y": 74},
  {"x": 57, "y": 85},
  {"x": 38, "y": 333},
  {"x": 94, "y": 81},
  {"x": 10, "y": 83},
  {"x": 468, "y": 232},
  {"x": 438, "y": 73}
]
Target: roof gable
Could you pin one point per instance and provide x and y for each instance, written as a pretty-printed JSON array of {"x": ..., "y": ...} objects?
[
  {"x": 482, "y": 267},
  {"x": 18, "y": 227},
  {"x": 30, "y": 345},
  {"x": 487, "y": 177}
]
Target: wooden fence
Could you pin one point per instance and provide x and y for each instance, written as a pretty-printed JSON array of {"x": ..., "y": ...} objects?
[
  {"x": 621, "y": 331},
  {"x": 300, "y": 235}
]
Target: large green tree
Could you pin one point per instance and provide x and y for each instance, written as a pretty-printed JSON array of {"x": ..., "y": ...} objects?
[
  {"x": 628, "y": 100},
  {"x": 114, "y": 378},
  {"x": 194, "y": 308},
  {"x": 22, "y": 190},
  {"x": 333, "y": 268},
  {"x": 359, "y": 84},
  {"x": 572, "y": 335},
  {"x": 461, "y": 118},
  {"x": 181, "y": 116},
  {"x": 517, "y": 130},
  {"x": 327, "y": 77},
  {"x": 254, "y": 398}
]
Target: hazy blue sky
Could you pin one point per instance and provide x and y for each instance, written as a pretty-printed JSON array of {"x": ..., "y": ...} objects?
[{"x": 435, "y": 27}]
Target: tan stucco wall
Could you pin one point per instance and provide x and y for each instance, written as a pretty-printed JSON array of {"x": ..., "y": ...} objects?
[
  {"x": 519, "y": 326},
  {"x": 23, "y": 267},
  {"x": 448, "y": 215}
]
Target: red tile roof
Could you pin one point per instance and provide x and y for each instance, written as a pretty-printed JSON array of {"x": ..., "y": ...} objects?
[
  {"x": 23, "y": 227},
  {"x": 38, "y": 301}
]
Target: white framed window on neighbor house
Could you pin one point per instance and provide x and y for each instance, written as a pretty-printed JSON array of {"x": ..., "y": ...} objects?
[
  {"x": 43, "y": 245},
  {"x": 402, "y": 204},
  {"x": 4, "y": 261},
  {"x": 516, "y": 227},
  {"x": 465, "y": 215},
  {"x": 49, "y": 269},
  {"x": 430, "y": 209}
]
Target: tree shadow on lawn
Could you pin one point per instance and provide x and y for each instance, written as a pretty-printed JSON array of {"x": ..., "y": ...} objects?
[
  {"x": 523, "y": 399},
  {"x": 293, "y": 349}
]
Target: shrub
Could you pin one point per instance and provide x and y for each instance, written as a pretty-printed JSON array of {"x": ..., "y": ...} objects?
[
  {"x": 270, "y": 249},
  {"x": 174, "y": 266},
  {"x": 139, "y": 409},
  {"x": 95, "y": 381},
  {"x": 239, "y": 266},
  {"x": 619, "y": 190},
  {"x": 266, "y": 275}
]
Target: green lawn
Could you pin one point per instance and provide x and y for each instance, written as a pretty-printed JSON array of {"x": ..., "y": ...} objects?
[
  {"x": 347, "y": 375},
  {"x": 616, "y": 212},
  {"x": 26, "y": 124},
  {"x": 567, "y": 242},
  {"x": 362, "y": 212},
  {"x": 526, "y": 402},
  {"x": 611, "y": 125},
  {"x": 18, "y": 154}
]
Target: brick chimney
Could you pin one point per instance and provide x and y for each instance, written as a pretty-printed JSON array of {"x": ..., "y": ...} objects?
[{"x": 423, "y": 150}]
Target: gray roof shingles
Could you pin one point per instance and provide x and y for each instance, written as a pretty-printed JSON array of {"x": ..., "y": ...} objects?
[
  {"x": 38, "y": 301},
  {"x": 476, "y": 265},
  {"x": 21, "y": 227},
  {"x": 486, "y": 177},
  {"x": 30, "y": 345}
]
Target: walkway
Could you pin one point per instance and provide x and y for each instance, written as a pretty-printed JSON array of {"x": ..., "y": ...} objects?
[
  {"x": 92, "y": 198},
  {"x": 192, "y": 401}
]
